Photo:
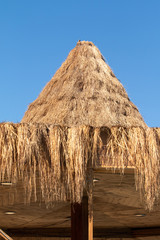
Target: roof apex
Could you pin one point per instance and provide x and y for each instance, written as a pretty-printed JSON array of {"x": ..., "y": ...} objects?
[{"x": 84, "y": 91}]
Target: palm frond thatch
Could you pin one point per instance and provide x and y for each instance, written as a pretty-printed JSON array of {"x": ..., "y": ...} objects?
[
  {"x": 84, "y": 91},
  {"x": 60, "y": 158}
]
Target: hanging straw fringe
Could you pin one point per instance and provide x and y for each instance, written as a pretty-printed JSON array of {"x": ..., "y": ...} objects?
[
  {"x": 58, "y": 158},
  {"x": 139, "y": 148}
]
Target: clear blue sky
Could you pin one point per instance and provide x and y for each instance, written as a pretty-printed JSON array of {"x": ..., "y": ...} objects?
[{"x": 37, "y": 35}]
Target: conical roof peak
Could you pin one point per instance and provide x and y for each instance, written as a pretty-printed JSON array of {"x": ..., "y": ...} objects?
[
  {"x": 85, "y": 43},
  {"x": 86, "y": 49},
  {"x": 84, "y": 91}
]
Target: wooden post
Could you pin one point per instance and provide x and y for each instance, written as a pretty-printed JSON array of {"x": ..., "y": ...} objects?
[
  {"x": 82, "y": 220},
  {"x": 90, "y": 216},
  {"x": 79, "y": 220},
  {"x": 82, "y": 214}
]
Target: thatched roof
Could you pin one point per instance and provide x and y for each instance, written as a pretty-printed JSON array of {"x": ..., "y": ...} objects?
[
  {"x": 84, "y": 91},
  {"x": 83, "y": 119},
  {"x": 60, "y": 159}
]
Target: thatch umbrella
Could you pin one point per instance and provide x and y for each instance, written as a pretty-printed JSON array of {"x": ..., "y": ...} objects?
[
  {"x": 82, "y": 119},
  {"x": 84, "y": 91}
]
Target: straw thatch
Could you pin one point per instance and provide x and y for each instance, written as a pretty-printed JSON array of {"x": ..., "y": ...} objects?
[
  {"x": 62, "y": 156},
  {"x": 83, "y": 119},
  {"x": 84, "y": 91}
]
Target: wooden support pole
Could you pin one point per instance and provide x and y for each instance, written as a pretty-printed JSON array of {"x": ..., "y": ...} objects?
[
  {"x": 82, "y": 214},
  {"x": 76, "y": 221},
  {"x": 79, "y": 220},
  {"x": 90, "y": 216},
  {"x": 82, "y": 219}
]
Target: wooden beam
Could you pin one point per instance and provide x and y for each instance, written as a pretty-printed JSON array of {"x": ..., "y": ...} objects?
[
  {"x": 4, "y": 235},
  {"x": 39, "y": 232},
  {"x": 110, "y": 170},
  {"x": 126, "y": 232},
  {"x": 100, "y": 232}
]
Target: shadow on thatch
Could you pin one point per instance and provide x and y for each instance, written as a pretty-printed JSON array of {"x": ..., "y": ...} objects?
[{"x": 64, "y": 156}]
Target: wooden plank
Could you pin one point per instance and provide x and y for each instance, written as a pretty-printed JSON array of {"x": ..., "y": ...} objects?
[
  {"x": 39, "y": 232},
  {"x": 98, "y": 232},
  {"x": 110, "y": 170}
]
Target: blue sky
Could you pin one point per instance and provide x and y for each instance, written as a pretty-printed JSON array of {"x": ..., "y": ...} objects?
[{"x": 37, "y": 35}]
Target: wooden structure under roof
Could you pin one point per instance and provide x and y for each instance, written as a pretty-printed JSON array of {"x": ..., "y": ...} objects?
[
  {"x": 73, "y": 145},
  {"x": 118, "y": 212}
]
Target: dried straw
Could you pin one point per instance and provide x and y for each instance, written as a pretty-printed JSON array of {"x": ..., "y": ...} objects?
[
  {"x": 84, "y": 91},
  {"x": 139, "y": 148},
  {"x": 58, "y": 159}
]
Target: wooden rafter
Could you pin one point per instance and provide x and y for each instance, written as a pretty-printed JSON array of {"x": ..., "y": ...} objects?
[{"x": 4, "y": 235}]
